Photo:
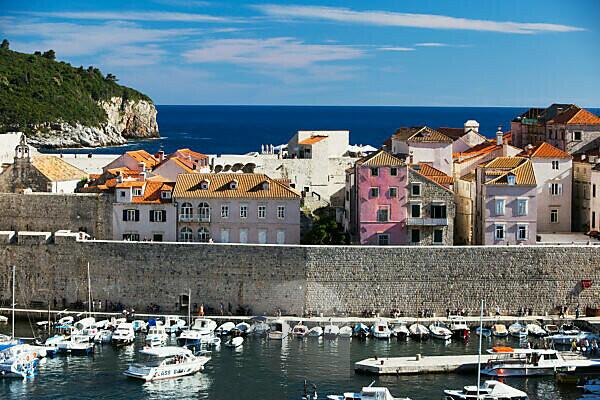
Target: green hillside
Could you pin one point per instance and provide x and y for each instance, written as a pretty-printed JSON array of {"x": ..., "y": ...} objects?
[{"x": 34, "y": 88}]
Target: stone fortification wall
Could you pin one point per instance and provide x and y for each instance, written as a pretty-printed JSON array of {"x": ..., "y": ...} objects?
[
  {"x": 297, "y": 278},
  {"x": 51, "y": 212}
]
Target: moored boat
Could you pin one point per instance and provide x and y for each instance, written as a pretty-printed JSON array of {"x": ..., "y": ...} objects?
[
  {"x": 331, "y": 331},
  {"x": 459, "y": 327},
  {"x": 551, "y": 329},
  {"x": 123, "y": 335},
  {"x": 418, "y": 332},
  {"x": 381, "y": 330},
  {"x": 225, "y": 329},
  {"x": 315, "y": 331},
  {"x": 18, "y": 361},
  {"x": 535, "y": 330},
  {"x": 506, "y": 361},
  {"x": 279, "y": 329},
  {"x": 103, "y": 336},
  {"x": 166, "y": 363},
  {"x": 361, "y": 330},
  {"x": 517, "y": 330},
  {"x": 368, "y": 393},
  {"x": 235, "y": 341},
  {"x": 569, "y": 329},
  {"x": 400, "y": 330},
  {"x": 440, "y": 332},
  {"x": 260, "y": 326},
  {"x": 242, "y": 329},
  {"x": 485, "y": 332},
  {"x": 156, "y": 336},
  {"x": 499, "y": 330},
  {"x": 300, "y": 330},
  {"x": 489, "y": 390},
  {"x": 345, "y": 332},
  {"x": 139, "y": 325}
]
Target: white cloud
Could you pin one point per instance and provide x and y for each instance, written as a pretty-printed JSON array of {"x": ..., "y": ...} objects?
[
  {"x": 155, "y": 16},
  {"x": 428, "y": 21},
  {"x": 133, "y": 56},
  {"x": 431, "y": 44},
  {"x": 281, "y": 52},
  {"x": 395, "y": 49}
]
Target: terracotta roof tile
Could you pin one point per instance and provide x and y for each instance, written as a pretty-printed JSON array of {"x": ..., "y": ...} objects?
[
  {"x": 421, "y": 134},
  {"x": 524, "y": 175},
  {"x": 56, "y": 169},
  {"x": 380, "y": 158},
  {"x": 313, "y": 140},
  {"x": 143, "y": 156},
  {"x": 544, "y": 150},
  {"x": 505, "y": 162},
  {"x": 452, "y": 133},
  {"x": 152, "y": 192},
  {"x": 193, "y": 154},
  {"x": 248, "y": 186},
  {"x": 434, "y": 174}
]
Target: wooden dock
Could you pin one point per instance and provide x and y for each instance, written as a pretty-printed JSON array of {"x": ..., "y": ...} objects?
[{"x": 419, "y": 364}]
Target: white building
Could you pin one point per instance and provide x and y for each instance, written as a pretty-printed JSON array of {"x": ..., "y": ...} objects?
[{"x": 424, "y": 145}]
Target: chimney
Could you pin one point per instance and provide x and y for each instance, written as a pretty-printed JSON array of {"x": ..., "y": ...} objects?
[
  {"x": 471, "y": 125},
  {"x": 411, "y": 158},
  {"x": 499, "y": 136},
  {"x": 119, "y": 177},
  {"x": 142, "y": 167},
  {"x": 161, "y": 155}
]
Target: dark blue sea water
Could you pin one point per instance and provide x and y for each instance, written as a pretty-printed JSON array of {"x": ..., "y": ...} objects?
[{"x": 240, "y": 129}]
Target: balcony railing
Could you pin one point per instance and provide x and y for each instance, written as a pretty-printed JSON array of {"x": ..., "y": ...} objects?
[
  {"x": 193, "y": 218},
  {"x": 428, "y": 221}
]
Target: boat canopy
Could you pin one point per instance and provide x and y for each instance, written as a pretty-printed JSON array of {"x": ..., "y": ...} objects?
[
  {"x": 502, "y": 349},
  {"x": 164, "y": 352}
]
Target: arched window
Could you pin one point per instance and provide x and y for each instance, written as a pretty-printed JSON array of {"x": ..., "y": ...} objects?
[
  {"x": 204, "y": 212},
  {"x": 203, "y": 235},
  {"x": 186, "y": 212},
  {"x": 185, "y": 235}
]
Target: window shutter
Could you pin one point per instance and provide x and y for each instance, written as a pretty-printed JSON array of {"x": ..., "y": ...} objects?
[
  {"x": 560, "y": 188},
  {"x": 124, "y": 215},
  {"x": 137, "y": 215},
  {"x": 164, "y": 215},
  {"x": 151, "y": 215}
]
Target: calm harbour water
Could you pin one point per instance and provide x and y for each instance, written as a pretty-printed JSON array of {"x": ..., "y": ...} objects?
[{"x": 260, "y": 369}]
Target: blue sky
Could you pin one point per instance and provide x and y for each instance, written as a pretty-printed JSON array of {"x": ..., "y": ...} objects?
[{"x": 411, "y": 52}]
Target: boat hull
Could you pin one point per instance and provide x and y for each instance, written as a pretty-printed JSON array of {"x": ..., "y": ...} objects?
[
  {"x": 503, "y": 372},
  {"x": 156, "y": 374}
]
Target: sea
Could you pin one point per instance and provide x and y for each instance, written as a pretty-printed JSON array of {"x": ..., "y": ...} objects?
[
  {"x": 242, "y": 129},
  {"x": 262, "y": 369}
]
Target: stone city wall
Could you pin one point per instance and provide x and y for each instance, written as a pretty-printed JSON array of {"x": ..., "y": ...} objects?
[
  {"x": 325, "y": 279},
  {"x": 91, "y": 213}
]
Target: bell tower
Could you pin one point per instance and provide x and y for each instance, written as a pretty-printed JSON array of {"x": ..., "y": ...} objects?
[{"x": 22, "y": 150}]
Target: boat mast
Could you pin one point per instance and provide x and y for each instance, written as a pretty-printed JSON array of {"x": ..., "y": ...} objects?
[
  {"x": 479, "y": 353},
  {"x": 13, "y": 300},
  {"x": 89, "y": 291},
  {"x": 189, "y": 308}
]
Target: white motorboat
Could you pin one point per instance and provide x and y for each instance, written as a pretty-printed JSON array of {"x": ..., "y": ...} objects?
[
  {"x": 139, "y": 325},
  {"x": 156, "y": 336},
  {"x": 506, "y": 361},
  {"x": 7, "y": 341},
  {"x": 345, "y": 332},
  {"x": 166, "y": 363},
  {"x": 517, "y": 330},
  {"x": 569, "y": 329},
  {"x": 202, "y": 333},
  {"x": 315, "y": 331},
  {"x": 368, "y": 393},
  {"x": 400, "y": 330},
  {"x": 204, "y": 326},
  {"x": 78, "y": 344},
  {"x": 535, "y": 330},
  {"x": 85, "y": 323},
  {"x": 68, "y": 320},
  {"x": 440, "y": 332},
  {"x": 242, "y": 329},
  {"x": 225, "y": 329},
  {"x": 361, "y": 330},
  {"x": 236, "y": 341},
  {"x": 123, "y": 335},
  {"x": 279, "y": 329},
  {"x": 381, "y": 330},
  {"x": 174, "y": 324},
  {"x": 3, "y": 319},
  {"x": 18, "y": 361},
  {"x": 499, "y": 330},
  {"x": 489, "y": 390},
  {"x": 459, "y": 327},
  {"x": 104, "y": 336},
  {"x": 551, "y": 329},
  {"x": 260, "y": 326},
  {"x": 331, "y": 331},
  {"x": 418, "y": 332},
  {"x": 300, "y": 330}
]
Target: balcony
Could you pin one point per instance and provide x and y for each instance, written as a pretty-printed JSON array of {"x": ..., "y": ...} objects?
[
  {"x": 427, "y": 221},
  {"x": 193, "y": 218}
]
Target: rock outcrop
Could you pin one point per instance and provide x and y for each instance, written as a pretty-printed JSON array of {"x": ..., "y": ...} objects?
[{"x": 126, "y": 119}]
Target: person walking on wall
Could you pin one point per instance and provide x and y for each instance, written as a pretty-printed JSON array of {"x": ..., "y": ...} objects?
[{"x": 577, "y": 312}]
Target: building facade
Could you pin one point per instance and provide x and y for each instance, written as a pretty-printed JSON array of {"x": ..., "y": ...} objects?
[
  {"x": 586, "y": 193},
  {"x": 424, "y": 145}
]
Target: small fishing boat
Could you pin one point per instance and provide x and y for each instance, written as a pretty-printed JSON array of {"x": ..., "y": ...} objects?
[
  {"x": 315, "y": 331},
  {"x": 204, "y": 326},
  {"x": 331, "y": 331},
  {"x": 489, "y": 390},
  {"x": 551, "y": 329},
  {"x": 300, "y": 330},
  {"x": 174, "y": 324},
  {"x": 485, "y": 332},
  {"x": 381, "y": 330},
  {"x": 235, "y": 341},
  {"x": 499, "y": 330},
  {"x": 242, "y": 329},
  {"x": 345, "y": 332},
  {"x": 68, "y": 320},
  {"x": 156, "y": 336},
  {"x": 517, "y": 330},
  {"x": 18, "y": 361},
  {"x": 104, "y": 336},
  {"x": 7, "y": 341},
  {"x": 569, "y": 329},
  {"x": 418, "y": 332},
  {"x": 225, "y": 329},
  {"x": 77, "y": 345},
  {"x": 459, "y": 327},
  {"x": 440, "y": 332},
  {"x": 361, "y": 330},
  {"x": 166, "y": 363},
  {"x": 279, "y": 329},
  {"x": 367, "y": 393},
  {"x": 85, "y": 323},
  {"x": 260, "y": 326},
  {"x": 400, "y": 330},
  {"x": 123, "y": 335},
  {"x": 139, "y": 325},
  {"x": 3, "y": 319},
  {"x": 535, "y": 330}
]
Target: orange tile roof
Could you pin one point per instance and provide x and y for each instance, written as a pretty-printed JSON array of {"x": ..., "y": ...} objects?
[
  {"x": 524, "y": 175},
  {"x": 193, "y": 154},
  {"x": 130, "y": 184},
  {"x": 421, "y": 134},
  {"x": 313, "y": 140},
  {"x": 380, "y": 158},
  {"x": 545, "y": 150},
  {"x": 575, "y": 115},
  {"x": 249, "y": 186},
  {"x": 434, "y": 174},
  {"x": 56, "y": 169},
  {"x": 505, "y": 162},
  {"x": 477, "y": 150},
  {"x": 183, "y": 164},
  {"x": 143, "y": 156},
  {"x": 152, "y": 193}
]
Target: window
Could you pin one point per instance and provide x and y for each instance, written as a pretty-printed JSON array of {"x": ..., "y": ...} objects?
[
  {"x": 593, "y": 219},
  {"x": 438, "y": 211},
  {"x": 203, "y": 235},
  {"x": 393, "y": 192},
  {"x": 185, "y": 235},
  {"x": 521, "y": 207},
  {"x": 233, "y": 185},
  {"x": 262, "y": 211},
  {"x": 224, "y": 211},
  {"x": 204, "y": 212},
  {"x": 522, "y": 232},
  {"x": 224, "y": 235},
  {"x": 500, "y": 205},
  {"x": 244, "y": 235},
  {"x": 394, "y": 171},
  {"x": 383, "y": 214},
  {"x": 131, "y": 215},
  {"x": 374, "y": 171},
  {"x": 499, "y": 232},
  {"x": 415, "y": 189},
  {"x": 165, "y": 194},
  {"x": 122, "y": 193},
  {"x": 204, "y": 185},
  {"x": 554, "y": 216},
  {"x": 415, "y": 210},
  {"x": 577, "y": 136},
  {"x": 131, "y": 236},
  {"x": 244, "y": 211},
  {"x": 281, "y": 212},
  {"x": 556, "y": 189},
  {"x": 511, "y": 179},
  {"x": 594, "y": 190},
  {"x": 555, "y": 164},
  {"x": 280, "y": 237},
  {"x": 158, "y": 216},
  {"x": 262, "y": 236},
  {"x": 157, "y": 237},
  {"x": 137, "y": 192},
  {"x": 415, "y": 236},
  {"x": 347, "y": 195},
  {"x": 383, "y": 239},
  {"x": 438, "y": 236},
  {"x": 374, "y": 192},
  {"x": 187, "y": 211}
]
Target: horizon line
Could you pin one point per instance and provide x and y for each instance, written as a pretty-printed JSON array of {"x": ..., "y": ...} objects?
[{"x": 369, "y": 105}]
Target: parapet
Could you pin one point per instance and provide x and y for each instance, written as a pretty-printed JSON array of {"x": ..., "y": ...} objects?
[
  {"x": 7, "y": 236},
  {"x": 65, "y": 235},
  {"x": 25, "y": 237}
]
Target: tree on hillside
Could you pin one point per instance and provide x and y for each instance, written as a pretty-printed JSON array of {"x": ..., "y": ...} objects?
[
  {"x": 50, "y": 54},
  {"x": 5, "y": 45},
  {"x": 111, "y": 78}
]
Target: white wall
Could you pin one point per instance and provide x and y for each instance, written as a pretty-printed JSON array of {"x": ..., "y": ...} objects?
[
  {"x": 545, "y": 175},
  {"x": 144, "y": 227}
]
